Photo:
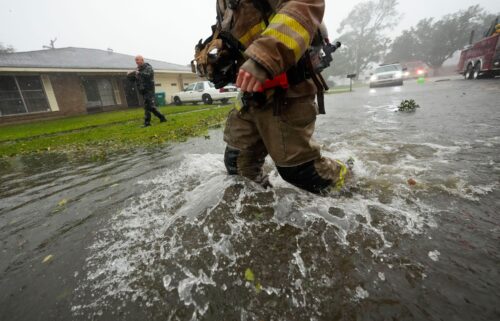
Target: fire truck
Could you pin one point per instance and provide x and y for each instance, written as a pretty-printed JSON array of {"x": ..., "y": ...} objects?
[{"x": 482, "y": 59}]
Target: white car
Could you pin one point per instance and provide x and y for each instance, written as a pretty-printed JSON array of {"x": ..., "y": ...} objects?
[
  {"x": 204, "y": 91},
  {"x": 387, "y": 75}
]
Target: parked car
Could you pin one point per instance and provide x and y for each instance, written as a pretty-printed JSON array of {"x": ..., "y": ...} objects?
[
  {"x": 415, "y": 69},
  {"x": 387, "y": 75},
  {"x": 204, "y": 91}
]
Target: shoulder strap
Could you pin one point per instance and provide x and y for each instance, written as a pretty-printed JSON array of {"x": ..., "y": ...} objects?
[{"x": 221, "y": 8}]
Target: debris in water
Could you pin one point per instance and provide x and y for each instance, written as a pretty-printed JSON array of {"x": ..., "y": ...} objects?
[
  {"x": 434, "y": 255},
  {"x": 412, "y": 182},
  {"x": 48, "y": 259},
  {"x": 381, "y": 276},
  {"x": 408, "y": 106},
  {"x": 249, "y": 276},
  {"x": 62, "y": 202}
]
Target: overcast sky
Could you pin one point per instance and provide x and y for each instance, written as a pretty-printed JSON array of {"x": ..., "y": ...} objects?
[{"x": 159, "y": 29}]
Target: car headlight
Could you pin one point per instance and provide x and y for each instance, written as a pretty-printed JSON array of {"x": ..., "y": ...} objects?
[
  {"x": 420, "y": 72},
  {"x": 407, "y": 74},
  {"x": 398, "y": 74},
  {"x": 373, "y": 78}
]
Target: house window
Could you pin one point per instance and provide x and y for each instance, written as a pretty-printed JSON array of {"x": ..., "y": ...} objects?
[
  {"x": 99, "y": 92},
  {"x": 173, "y": 84},
  {"x": 21, "y": 95}
]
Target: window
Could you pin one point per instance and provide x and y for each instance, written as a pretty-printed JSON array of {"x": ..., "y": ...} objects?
[
  {"x": 99, "y": 92},
  {"x": 387, "y": 68},
  {"x": 21, "y": 95},
  {"x": 199, "y": 86},
  {"x": 190, "y": 87},
  {"x": 173, "y": 84},
  {"x": 157, "y": 85}
]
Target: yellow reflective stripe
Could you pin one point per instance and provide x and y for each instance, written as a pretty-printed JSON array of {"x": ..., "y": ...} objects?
[
  {"x": 341, "y": 181},
  {"x": 252, "y": 33},
  {"x": 292, "y": 24},
  {"x": 288, "y": 41}
]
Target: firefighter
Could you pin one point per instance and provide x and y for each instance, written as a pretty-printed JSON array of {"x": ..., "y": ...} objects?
[
  {"x": 144, "y": 78},
  {"x": 274, "y": 36}
]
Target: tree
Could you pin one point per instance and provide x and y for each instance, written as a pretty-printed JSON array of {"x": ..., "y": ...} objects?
[
  {"x": 6, "y": 49},
  {"x": 435, "y": 41},
  {"x": 363, "y": 35}
]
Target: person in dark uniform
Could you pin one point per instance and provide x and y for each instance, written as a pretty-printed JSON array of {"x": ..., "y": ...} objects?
[{"x": 144, "y": 77}]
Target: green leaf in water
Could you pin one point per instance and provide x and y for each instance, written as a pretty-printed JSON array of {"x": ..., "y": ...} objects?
[{"x": 249, "y": 276}]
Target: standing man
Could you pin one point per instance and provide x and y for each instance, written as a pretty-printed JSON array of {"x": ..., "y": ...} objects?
[
  {"x": 274, "y": 37},
  {"x": 144, "y": 77}
]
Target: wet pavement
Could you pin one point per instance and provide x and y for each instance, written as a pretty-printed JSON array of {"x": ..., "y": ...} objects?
[{"x": 167, "y": 235}]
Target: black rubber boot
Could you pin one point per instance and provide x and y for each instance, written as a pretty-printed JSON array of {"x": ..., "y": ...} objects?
[{"x": 305, "y": 177}]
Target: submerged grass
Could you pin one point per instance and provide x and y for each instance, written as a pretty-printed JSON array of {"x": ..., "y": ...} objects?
[{"x": 109, "y": 132}]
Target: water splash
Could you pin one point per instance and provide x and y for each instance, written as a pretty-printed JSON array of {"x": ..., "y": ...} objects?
[{"x": 194, "y": 230}]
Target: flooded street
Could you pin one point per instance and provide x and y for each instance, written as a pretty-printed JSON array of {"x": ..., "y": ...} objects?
[{"x": 167, "y": 235}]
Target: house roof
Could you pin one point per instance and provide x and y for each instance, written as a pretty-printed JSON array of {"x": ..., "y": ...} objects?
[{"x": 80, "y": 59}]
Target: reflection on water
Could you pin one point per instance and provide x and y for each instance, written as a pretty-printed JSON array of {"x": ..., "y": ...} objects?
[{"x": 167, "y": 235}]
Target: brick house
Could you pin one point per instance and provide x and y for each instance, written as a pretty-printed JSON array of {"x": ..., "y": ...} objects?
[{"x": 72, "y": 81}]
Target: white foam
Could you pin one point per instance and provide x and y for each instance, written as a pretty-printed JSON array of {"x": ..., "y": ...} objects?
[
  {"x": 434, "y": 255},
  {"x": 361, "y": 294}
]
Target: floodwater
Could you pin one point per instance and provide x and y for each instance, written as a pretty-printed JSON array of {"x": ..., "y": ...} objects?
[{"x": 167, "y": 235}]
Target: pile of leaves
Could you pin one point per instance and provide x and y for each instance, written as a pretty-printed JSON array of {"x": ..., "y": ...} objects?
[{"x": 408, "y": 106}]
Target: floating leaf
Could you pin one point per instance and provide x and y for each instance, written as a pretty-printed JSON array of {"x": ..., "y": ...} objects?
[
  {"x": 62, "y": 202},
  {"x": 408, "y": 105},
  {"x": 258, "y": 287},
  {"x": 48, "y": 258},
  {"x": 249, "y": 276}
]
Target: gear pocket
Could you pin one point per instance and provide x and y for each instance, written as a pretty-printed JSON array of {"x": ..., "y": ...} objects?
[{"x": 299, "y": 112}]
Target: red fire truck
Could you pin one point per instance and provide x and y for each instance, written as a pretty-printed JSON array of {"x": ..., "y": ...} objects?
[{"x": 482, "y": 59}]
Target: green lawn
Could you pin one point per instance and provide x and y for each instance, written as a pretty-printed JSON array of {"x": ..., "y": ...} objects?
[
  {"x": 109, "y": 131},
  {"x": 345, "y": 88},
  {"x": 338, "y": 91},
  {"x": 47, "y": 127}
]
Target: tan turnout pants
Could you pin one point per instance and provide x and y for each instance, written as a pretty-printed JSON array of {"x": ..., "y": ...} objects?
[{"x": 287, "y": 138}]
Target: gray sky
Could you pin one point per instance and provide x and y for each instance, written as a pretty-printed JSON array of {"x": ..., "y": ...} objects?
[{"x": 159, "y": 29}]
